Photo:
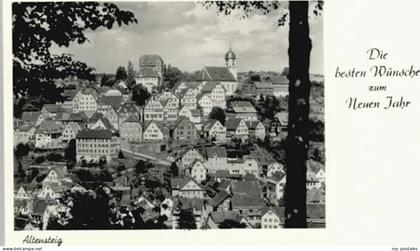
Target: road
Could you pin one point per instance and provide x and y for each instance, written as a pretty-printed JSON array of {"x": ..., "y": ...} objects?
[{"x": 125, "y": 148}]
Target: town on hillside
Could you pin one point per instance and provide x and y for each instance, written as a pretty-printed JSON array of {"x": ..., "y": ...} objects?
[{"x": 152, "y": 148}]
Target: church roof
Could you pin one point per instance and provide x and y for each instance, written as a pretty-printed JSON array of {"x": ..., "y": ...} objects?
[
  {"x": 230, "y": 54},
  {"x": 216, "y": 73}
]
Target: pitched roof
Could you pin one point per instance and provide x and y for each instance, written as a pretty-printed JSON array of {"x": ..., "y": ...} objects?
[
  {"x": 245, "y": 201},
  {"x": 26, "y": 127},
  {"x": 69, "y": 93},
  {"x": 48, "y": 127},
  {"x": 314, "y": 166},
  {"x": 216, "y": 73},
  {"x": 210, "y": 123},
  {"x": 95, "y": 117},
  {"x": 219, "y": 198},
  {"x": 150, "y": 60},
  {"x": 196, "y": 113},
  {"x": 94, "y": 134},
  {"x": 114, "y": 101},
  {"x": 30, "y": 116},
  {"x": 263, "y": 85},
  {"x": 314, "y": 196},
  {"x": 128, "y": 107},
  {"x": 277, "y": 79},
  {"x": 232, "y": 124},
  {"x": 277, "y": 176},
  {"x": 106, "y": 123},
  {"x": 132, "y": 119},
  {"x": 279, "y": 211},
  {"x": 53, "y": 108},
  {"x": 147, "y": 72},
  {"x": 315, "y": 211},
  {"x": 248, "y": 188},
  {"x": 74, "y": 126},
  {"x": 221, "y": 216},
  {"x": 184, "y": 121},
  {"x": 252, "y": 124},
  {"x": 209, "y": 86},
  {"x": 242, "y": 106},
  {"x": 218, "y": 151},
  {"x": 178, "y": 183}
]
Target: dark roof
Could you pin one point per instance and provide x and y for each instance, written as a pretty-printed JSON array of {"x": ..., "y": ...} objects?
[
  {"x": 216, "y": 73},
  {"x": 315, "y": 211},
  {"x": 224, "y": 184},
  {"x": 132, "y": 119},
  {"x": 106, "y": 123},
  {"x": 26, "y": 127},
  {"x": 246, "y": 201},
  {"x": 209, "y": 86},
  {"x": 232, "y": 124},
  {"x": 210, "y": 123},
  {"x": 219, "y": 151},
  {"x": 95, "y": 117},
  {"x": 246, "y": 188},
  {"x": 219, "y": 198},
  {"x": 277, "y": 79},
  {"x": 30, "y": 116},
  {"x": 184, "y": 121},
  {"x": 277, "y": 176},
  {"x": 179, "y": 183},
  {"x": 252, "y": 124},
  {"x": 94, "y": 134},
  {"x": 150, "y": 60},
  {"x": 53, "y": 108},
  {"x": 49, "y": 127},
  {"x": 147, "y": 72},
  {"x": 230, "y": 54},
  {"x": 219, "y": 217},
  {"x": 69, "y": 93},
  {"x": 114, "y": 101},
  {"x": 39, "y": 207}
]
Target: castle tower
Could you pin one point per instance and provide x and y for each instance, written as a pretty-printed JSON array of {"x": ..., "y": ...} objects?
[{"x": 230, "y": 59}]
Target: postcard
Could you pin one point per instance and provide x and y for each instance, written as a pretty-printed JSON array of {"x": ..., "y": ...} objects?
[{"x": 211, "y": 122}]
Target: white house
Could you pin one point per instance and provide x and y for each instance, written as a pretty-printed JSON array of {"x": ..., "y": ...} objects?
[
  {"x": 205, "y": 104},
  {"x": 70, "y": 131},
  {"x": 153, "y": 110},
  {"x": 153, "y": 132},
  {"x": 213, "y": 129},
  {"x": 272, "y": 217},
  {"x": 274, "y": 167},
  {"x": 198, "y": 171}
]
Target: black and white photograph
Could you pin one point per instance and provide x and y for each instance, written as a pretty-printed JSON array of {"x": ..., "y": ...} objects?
[{"x": 168, "y": 115}]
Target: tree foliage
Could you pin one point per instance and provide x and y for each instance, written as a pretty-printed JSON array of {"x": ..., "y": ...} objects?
[
  {"x": 121, "y": 73},
  {"x": 37, "y": 26},
  {"x": 186, "y": 219},
  {"x": 218, "y": 114},
  {"x": 171, "y": 76},
  {"x": 140, "y": 95}
]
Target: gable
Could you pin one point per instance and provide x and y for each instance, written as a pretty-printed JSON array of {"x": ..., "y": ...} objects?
[{"x": 191, "y": 185}]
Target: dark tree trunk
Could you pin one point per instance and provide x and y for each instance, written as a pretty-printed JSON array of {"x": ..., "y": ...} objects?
[{"x": 297, "y": 142}]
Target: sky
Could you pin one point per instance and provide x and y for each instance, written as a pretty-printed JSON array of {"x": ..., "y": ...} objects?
[{"x": 189, "y": 36}]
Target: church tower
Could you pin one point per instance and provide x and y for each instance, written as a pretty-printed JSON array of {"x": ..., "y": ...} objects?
[{"x": 230, "y": 59}]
